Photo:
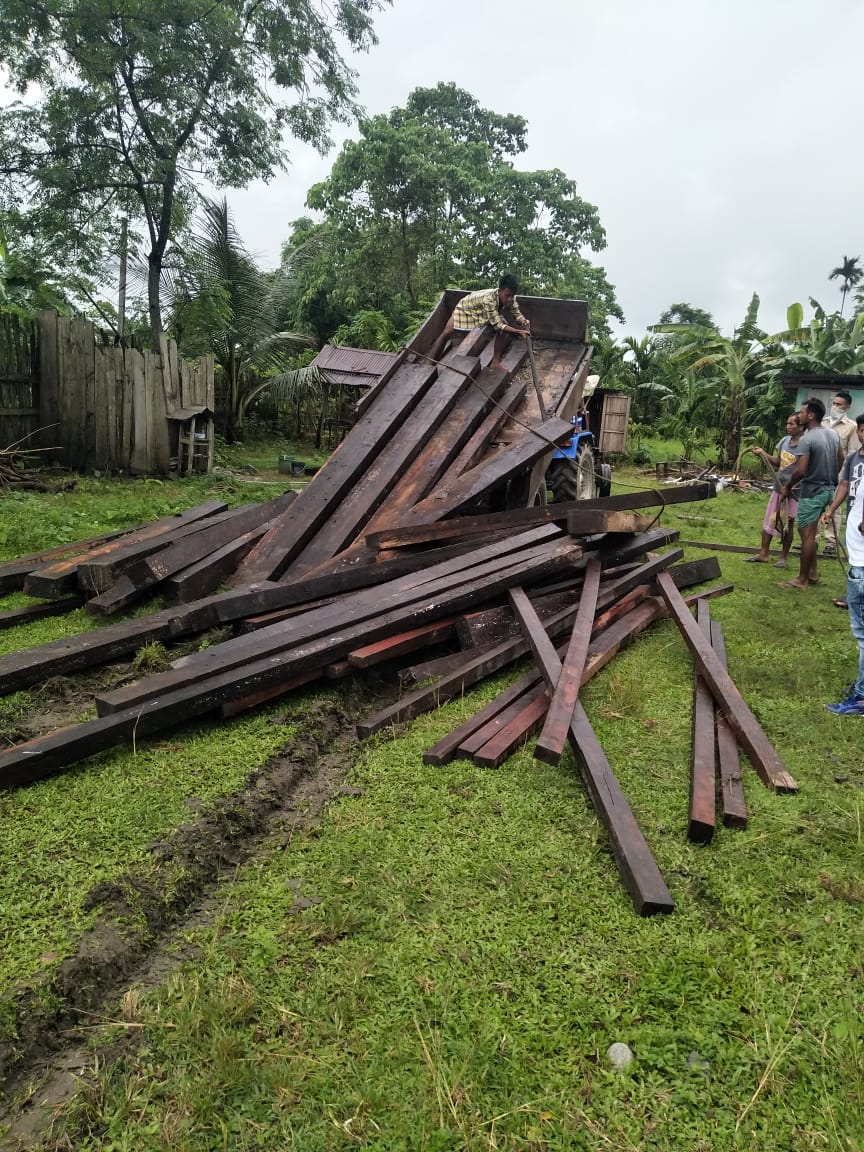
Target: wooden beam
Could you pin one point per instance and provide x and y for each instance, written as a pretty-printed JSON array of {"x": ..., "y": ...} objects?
[
  {"x": 400, "y": 536},
  {"x": 12, "y": 617},
  {"x": 638, "y": 869},
  {"x": 553, "y": 738},
  {"x": 585, "y": 522},
  {"x": 733, "y": 804},
  {"x": 517, "y": 729},
  {"x": 35, "y": 759},
  {"x": 56, "y": 579},
  {"x": 703, "y": 762},
  {"x": 328, "y": 487},
  {"x": 401, "y": 644},
  {"x": 761, "y": 753},
  {"x": 364, "y": 605}
]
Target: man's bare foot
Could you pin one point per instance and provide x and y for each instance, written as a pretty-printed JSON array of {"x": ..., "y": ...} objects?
[
  {"x": 496, "y": 363},
  {"x": 794, "y": 584}
]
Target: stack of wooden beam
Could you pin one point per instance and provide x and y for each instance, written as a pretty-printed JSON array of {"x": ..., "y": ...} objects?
[{"x": 380, "y": 557}]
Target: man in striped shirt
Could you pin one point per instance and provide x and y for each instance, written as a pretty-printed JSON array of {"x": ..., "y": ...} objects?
[{"x": 496, "y": 307}]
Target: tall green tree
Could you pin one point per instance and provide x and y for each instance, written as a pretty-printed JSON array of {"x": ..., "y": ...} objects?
[
  {"x": 430, "y": 196},
  {"x": 138, "y": 101},
  {"x": 849, "y": 272}
]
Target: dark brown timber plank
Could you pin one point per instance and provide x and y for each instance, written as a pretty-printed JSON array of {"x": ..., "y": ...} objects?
[
  {"x": 733, "y": 804},
  {"x": 472, "y": 451},
  {"x": 459, "y": 493},
  {"x": 514, "y": 733},
  {"x": 144, "y": 573},
  {"x": 455, "y": 377},
  {"x": 45, "y": 755},
  {"x": 400, "y": 536},
  {"x": 583, "y": 522},
  {"x": 12, "y": 617},
  {"x": 612, "y": 633},
  {"x": 52, "y": 580},
  {"x": 485, "y": 663},
  {"x": 97, "y": 575},
  {"x": 353, "y": 614},
  {"x": 760, "y": 751},
  {"x": 636, "y": 865},
  {"x": 703, "y": 764},
  {"x": 13, "y": 572},
  {"x": 384, "y": 418},
  {"x": 553, "y": 737}
]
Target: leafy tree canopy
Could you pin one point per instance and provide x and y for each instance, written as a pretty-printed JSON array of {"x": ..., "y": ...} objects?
[
  {"x": 429, "y": 196},
  {"x": 688, "y": 314},
  {"x": 138, "y": 102}
]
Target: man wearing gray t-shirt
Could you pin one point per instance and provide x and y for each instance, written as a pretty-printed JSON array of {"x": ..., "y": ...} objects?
[{"x": 819, "y": 454}]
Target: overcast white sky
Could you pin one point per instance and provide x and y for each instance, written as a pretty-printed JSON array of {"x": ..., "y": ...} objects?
[{"x": 718, "y": 138}]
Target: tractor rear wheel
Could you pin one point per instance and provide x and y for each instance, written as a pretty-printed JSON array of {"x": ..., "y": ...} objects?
[{"x": 573, "y": 479}]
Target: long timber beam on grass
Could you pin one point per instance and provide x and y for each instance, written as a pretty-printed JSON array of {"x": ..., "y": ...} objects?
[
  {"x": 637, "y": 866},
  {"x": 48, "y": 754},
  {"x": 760, "y": 751}
]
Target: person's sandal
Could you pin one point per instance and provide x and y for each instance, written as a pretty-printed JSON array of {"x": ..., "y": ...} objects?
[{"x": 840, "y": 603}]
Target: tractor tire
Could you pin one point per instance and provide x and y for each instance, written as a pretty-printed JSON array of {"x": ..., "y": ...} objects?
[{"x": 573, "y": 479}]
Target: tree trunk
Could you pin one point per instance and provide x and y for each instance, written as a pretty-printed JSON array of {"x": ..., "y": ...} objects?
[
  {"x": 154, "y": 305},
  {"x": 732, "y": 436}
]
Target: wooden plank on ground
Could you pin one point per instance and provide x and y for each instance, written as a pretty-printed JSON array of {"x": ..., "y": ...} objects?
[
  {"x": 553, "y": 737},
  {"x": 205, "y": 576},
  {"x": 613, "y": 629},
  {"x": 400, "y": 536},
  {"x": 45, "y": 755},
  {"x": 12, "y": 617},
  {"x": 515, "y": 731},
  {"x": 733, "y": 804},
  {"x": 97, "y": 573},
  {"x": 703, "y": 763},
  {"x": 365, "y": 616},
  {"x": 761, "y": 753},
  {"x": 144, "y": 572},
  {"x": 637, "y": 866},
  {"x": 13, "y": 572},
  {"x": 384, "y": 418},
  {"x": 60, "y": 577}
]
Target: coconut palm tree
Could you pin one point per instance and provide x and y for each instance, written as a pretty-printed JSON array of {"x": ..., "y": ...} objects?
[
  {"x": 220, "y": 301},
  {"x": 850, "y": 273}
]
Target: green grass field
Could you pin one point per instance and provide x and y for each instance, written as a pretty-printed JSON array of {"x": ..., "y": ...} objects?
[{"x": 441, "y": 962}]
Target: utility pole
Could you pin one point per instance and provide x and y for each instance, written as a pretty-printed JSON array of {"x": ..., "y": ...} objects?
[{"x": 121, "y": 298}]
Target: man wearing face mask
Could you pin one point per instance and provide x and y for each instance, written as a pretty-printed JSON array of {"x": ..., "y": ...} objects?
[{"x": 838, "y": 418}]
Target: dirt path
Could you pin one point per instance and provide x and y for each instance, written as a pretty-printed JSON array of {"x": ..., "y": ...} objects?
[{"x": 138, "y": 936}]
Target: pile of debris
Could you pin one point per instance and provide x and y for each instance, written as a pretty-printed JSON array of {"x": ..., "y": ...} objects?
[{"x": 380, "y": 558}]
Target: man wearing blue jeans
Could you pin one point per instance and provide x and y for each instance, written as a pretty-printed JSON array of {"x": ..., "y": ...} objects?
[{"x": 852, "y": 484}]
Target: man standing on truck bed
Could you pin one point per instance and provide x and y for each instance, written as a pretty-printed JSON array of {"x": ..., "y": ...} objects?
[{"x": 494, "y": 306}]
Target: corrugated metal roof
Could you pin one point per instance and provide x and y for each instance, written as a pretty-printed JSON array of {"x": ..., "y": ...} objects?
[{"x": 359, "y": 361}]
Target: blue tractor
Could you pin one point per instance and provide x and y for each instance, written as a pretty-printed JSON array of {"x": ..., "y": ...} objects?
[{"x": 577, "y": 470}]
